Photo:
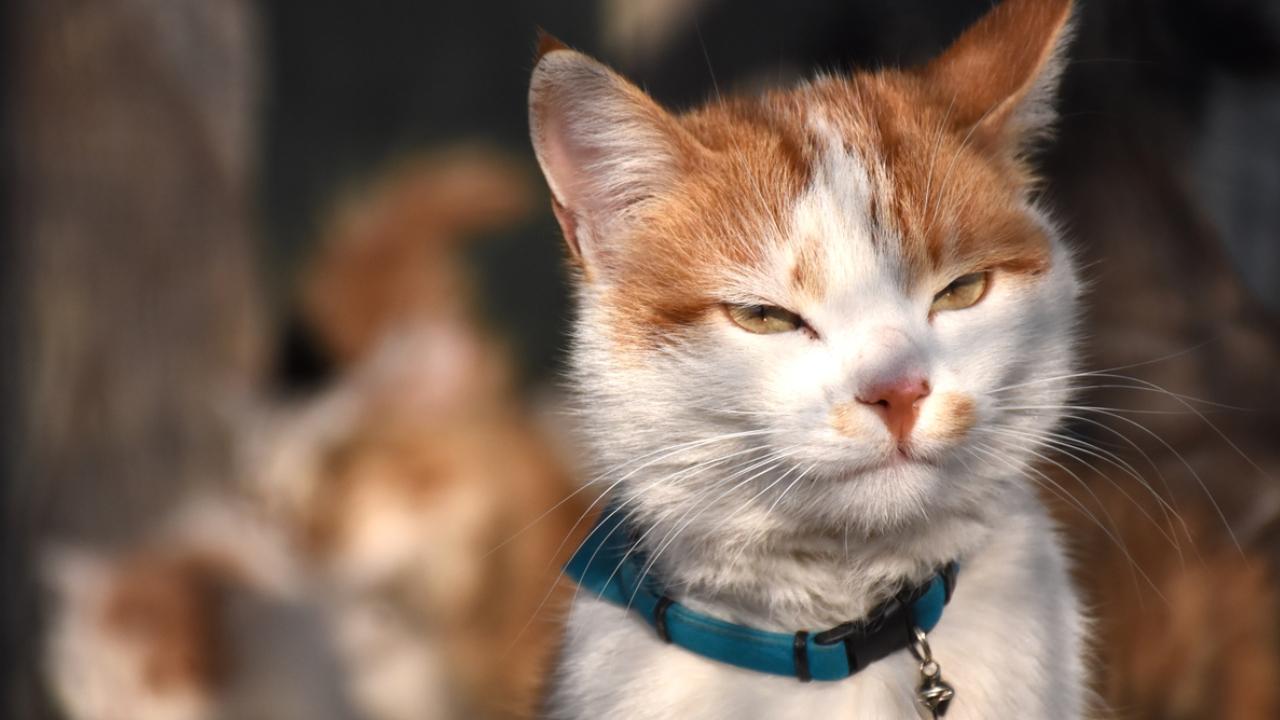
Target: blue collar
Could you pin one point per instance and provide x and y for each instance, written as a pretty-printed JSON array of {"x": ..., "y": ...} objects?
[{"x": 604, "y": 565}]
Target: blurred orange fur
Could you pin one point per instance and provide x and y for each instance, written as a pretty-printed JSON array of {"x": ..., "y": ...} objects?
[
  {"x": 389, "y": 255},
  {"x": 410, "y": 494},
  {"x": 442, "y": 463}
]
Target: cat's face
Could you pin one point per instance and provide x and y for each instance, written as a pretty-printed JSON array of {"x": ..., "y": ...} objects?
[{"x": 848, "y": 281}]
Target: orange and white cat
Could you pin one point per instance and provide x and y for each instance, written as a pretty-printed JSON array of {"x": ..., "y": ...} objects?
[
  {"x": 845, "y": 288},
  {"x": 358, "y": 568}
]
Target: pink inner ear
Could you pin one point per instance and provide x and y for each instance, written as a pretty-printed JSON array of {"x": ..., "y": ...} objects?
[
  {"x": 569, "y": 226},
  {"x": 565, "y": 165},
  {"x": 559, "y": 161},
  {"x": 576, "y": 168}
]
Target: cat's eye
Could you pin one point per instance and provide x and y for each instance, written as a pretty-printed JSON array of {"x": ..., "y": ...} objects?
[
  {"x": 764, "y": 319},
  {"x": 963, "y": 292}
]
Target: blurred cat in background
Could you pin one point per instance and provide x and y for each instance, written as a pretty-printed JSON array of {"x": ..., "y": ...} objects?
[
  {"x": 400, "y": 482},
  {"x": 386, "y": 501},
  {"x": 207, "y": 619}
]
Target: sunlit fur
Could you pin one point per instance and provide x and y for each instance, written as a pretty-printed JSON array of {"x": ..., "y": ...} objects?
[{"x": 850, "y": 201}]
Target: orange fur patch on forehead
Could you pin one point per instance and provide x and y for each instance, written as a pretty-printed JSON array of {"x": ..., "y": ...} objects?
[
  {"x": 807, "y": 276},
  {"x": 727, "y": 213},
  {"x": 660, "y": 211},
  {"x": 949, "y": 205},
  {"x": 952, "y": 206}
]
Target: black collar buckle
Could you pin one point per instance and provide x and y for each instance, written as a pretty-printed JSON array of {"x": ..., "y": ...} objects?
[{"x": 887, "y": 629}]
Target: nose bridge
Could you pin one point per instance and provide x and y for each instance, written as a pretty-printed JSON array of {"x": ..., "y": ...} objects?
[{"x": 887, "y": 353}]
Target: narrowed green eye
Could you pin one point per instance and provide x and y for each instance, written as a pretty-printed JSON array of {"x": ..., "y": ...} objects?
[
  {"x": 963, "y": 292},
  {"x": 764, "y": 319}
]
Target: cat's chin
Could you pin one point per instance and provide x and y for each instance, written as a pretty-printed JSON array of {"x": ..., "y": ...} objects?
[{"x": 887, "y": 495}]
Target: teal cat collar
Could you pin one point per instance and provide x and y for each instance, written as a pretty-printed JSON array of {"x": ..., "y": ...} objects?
[{"x": 606, "y": 565}]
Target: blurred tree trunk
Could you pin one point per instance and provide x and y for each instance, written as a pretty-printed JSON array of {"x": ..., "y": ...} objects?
[{"x": 131, "y": 308}]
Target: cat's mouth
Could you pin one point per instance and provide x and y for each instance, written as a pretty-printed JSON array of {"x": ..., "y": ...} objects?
[
  {"x": 900, "y": 458},
  {"x": 904, "y": 454}
]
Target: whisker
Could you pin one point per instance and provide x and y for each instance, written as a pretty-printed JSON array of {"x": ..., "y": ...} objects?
[
  {"x": 679, "y": 475},
  {"x": 1168, "y": 510},
  {"x": 1065, "y": 446},
  {"x": 1062, "y": 493},
  {"x": 674, "y": 449},
  {"x": 1199, "y": 481},
  {"x": 1164, "y": 482},
  {"x": 1091, "y": 407},
  {"x": 1118, "y": 368},
  {"x": 1101, "y": 505},
  {"x": 1142, "y": 385},
  {"x": 1184, "y": 401},
  {"x": 743, "y": 547},
  {"x": 774, "y": 458},
  {"x": 653, "y": 559},
  {"x": 556, "y": 554}
]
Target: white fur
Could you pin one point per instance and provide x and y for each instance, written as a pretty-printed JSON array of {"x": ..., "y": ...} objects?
[
  {"x": 736, "y": 536},
  {"x": 96, "y": 670},
  {"x": 396, "y": 675}
]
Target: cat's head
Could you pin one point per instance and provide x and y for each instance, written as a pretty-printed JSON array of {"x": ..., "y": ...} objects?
[{"x": 847, "y": 282}]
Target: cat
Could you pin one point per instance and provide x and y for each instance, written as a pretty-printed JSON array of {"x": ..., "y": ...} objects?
[
  {"x": 399, "y": 482},
  {"x": 206, "y": 617},
  {"x": 390, "y": 254},
  {"x": 803, "y": 320},
  {"x": 356, "y": 568},
  {"x": 398, "y": 488}
]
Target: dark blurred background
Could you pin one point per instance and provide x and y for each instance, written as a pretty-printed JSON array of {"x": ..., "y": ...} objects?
[{"x": 304, "y": 245}]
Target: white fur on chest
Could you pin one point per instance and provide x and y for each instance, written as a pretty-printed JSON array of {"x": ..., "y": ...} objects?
[{"x": 1009, "y": 642}]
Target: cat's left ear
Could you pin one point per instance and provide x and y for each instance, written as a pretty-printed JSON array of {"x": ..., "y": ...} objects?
[{"x": 998, "y": 80}]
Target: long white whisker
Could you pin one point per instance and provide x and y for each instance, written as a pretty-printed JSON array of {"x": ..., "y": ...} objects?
[
  {"x": 743, "y": 547},
  {"x": 1141, "y": 386},
  {"x": 1164, "y": 482},
  {"x": 669, "y": 451},
  {"x": 560, "y": 575},
  {"x": 1102, "y": 506},
  {"x": 1091, "y": 407},
  {"x": 1133, "y": 564},
  {"x": 1066, "y": 446},
  {"x": 675, "y": 533},
  {"x": 1203, "y": 487},
  {"x": 774, "y": 458},
  {"x": 1118, "y": 368}
]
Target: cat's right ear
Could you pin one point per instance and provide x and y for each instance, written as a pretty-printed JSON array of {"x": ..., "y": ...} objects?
[{"x": 604, "y": 146}]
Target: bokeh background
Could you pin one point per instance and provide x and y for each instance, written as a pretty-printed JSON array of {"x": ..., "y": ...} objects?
[{"x": 283, "y": 314}]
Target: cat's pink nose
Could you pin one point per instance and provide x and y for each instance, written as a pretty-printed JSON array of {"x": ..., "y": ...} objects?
[{"x": 897, "y": 402}]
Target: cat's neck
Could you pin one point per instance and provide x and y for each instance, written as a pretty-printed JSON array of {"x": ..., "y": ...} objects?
[{"x": 786, "y": 579}]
